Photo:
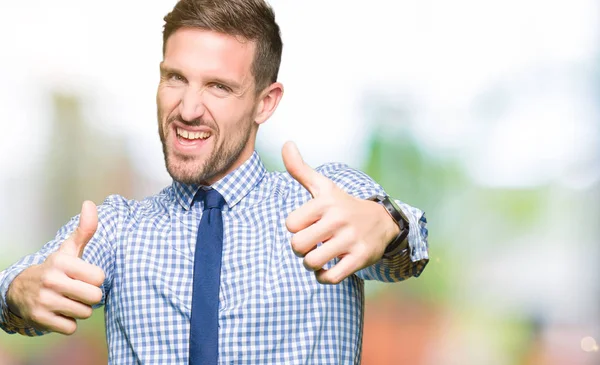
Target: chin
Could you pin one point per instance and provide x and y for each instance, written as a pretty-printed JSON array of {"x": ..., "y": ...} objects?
[{"x": 187, "y": 172}]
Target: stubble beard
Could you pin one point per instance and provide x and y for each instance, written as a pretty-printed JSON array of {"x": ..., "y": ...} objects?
[{"x": 222, "y": 157}]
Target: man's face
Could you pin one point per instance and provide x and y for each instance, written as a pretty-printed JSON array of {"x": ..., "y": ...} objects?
[{"x": 206, "y": 105}]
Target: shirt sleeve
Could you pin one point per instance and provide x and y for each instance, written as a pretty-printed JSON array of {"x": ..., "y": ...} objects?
[
  {"x": 403, "y": 262},
  {"x": 99, "y": 252}
]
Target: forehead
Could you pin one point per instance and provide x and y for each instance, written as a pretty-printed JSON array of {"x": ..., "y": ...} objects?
[{"x": 205, "y": 53}]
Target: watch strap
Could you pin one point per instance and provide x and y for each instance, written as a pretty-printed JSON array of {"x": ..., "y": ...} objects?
[{"x": 398, "y": 216}]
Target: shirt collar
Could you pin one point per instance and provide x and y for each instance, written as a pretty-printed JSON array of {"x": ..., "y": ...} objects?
[{"x": 233, "y": 187}]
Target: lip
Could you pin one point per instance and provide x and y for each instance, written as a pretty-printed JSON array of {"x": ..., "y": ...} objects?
[
  {"x": 202, "y": 128},
  {"x": 189, "y": 147}
]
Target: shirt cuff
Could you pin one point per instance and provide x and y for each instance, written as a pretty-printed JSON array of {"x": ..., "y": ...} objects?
[{"x": 418, "y": 245}]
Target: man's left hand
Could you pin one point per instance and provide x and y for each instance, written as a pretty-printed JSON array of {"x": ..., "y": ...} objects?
[{"x": 355, "y": 231}]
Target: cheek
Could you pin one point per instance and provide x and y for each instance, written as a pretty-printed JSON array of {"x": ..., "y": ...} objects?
[
  {"x": 231, "y": 116},
  {"x": 167, "y": 99}
]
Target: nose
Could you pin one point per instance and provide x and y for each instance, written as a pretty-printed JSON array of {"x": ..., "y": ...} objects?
[{"x": 191, "y": 106}]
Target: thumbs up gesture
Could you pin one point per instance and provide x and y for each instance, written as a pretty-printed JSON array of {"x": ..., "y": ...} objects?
[
  {"x": 355, "y": 231},
  {"x": 53, "y": 295}
]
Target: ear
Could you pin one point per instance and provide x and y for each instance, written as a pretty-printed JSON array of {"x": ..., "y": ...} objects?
[{"x": 268, "y": 100}]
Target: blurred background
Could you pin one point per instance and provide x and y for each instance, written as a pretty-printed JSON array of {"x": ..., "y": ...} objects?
[{"x": 485, "y": 114}]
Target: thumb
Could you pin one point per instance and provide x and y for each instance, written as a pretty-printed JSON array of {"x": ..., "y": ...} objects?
[
  {"x": 300, "y": 171},
  {"x": 88, "y": 223}
]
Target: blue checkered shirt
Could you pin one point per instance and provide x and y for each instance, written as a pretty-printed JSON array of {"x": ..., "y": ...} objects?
[{"x": 271, "y": 309}]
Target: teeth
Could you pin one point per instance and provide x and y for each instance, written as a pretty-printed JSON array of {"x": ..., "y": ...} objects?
[{"x": 192, "y": 135}]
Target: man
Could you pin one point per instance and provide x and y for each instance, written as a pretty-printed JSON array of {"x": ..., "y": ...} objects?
[{"x": 280, "y": 239}]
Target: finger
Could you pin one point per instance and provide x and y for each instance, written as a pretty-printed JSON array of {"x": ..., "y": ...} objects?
[
  {"x": 85, "y": 272},
  {"x": 317, "y": 258},
  {"x": 79, "y": 291},
  {"x": 345, "y": 267},
  {"x": 314, "y": 182},
  {"x": 88, "y": 223},
  {"x": 57, "y": 323},
  {"x": 307, "y": 239},
  {"x": 74, "y": 309},
  {"x": 303, "y": 217}
]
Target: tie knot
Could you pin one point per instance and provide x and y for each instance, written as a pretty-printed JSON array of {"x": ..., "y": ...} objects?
[{"x": 212, "y": 199}]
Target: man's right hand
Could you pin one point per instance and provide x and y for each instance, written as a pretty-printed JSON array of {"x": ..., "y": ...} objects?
[{"x": 53, "y": 295}]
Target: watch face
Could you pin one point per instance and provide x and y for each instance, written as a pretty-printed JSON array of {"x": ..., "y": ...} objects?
[
  {"x": 394, "y": 210},
  {"x": 393, "y": 202}
]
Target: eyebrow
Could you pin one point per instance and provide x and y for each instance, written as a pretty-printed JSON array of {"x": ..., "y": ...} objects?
[{"x": 218, "y": 79}]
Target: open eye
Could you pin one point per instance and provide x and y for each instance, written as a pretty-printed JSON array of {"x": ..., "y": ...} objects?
[
  {"x": 219, "y": 89},
  {"x": 175, "y": 77}
]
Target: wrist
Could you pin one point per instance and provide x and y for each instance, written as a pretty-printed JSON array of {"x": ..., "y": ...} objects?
[
  {"x": 12, "y": 307},
  {"x": 14, "y": 294},
  {"x": 392, "y": 230},
  {"x": 397, "y": 223}
]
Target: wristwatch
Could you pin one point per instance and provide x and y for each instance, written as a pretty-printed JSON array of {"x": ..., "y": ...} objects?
[{"x": 397, "y": 215}]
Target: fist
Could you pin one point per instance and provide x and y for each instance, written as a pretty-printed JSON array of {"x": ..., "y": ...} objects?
[
  {"x": 53, "y": 295},
  {"x": 355, "y": 231}
]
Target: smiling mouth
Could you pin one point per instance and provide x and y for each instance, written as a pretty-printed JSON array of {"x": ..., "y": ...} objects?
[{"x": 191, "y": 136}]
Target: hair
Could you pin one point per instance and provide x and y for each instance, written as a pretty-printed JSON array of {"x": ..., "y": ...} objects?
[{"x": 253, "y": 20}]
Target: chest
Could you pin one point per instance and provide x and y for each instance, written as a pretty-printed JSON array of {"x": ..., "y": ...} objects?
[
  {"x": 156, "y": 256},
  {"x": 268, "y": 303}
]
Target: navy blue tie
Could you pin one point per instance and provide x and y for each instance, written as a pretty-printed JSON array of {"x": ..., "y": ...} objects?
[{"x": 204, "y": 326}]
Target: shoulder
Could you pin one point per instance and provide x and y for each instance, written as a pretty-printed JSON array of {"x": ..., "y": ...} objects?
[
  {"x": 349, "y": 179},
  {"x": 118, "y": 206},
  {"x": 342, "y": 174}
]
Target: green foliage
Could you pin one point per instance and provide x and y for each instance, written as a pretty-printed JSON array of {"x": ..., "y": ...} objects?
[
  {"x": 409, "y": 174},
  {"x": 406, "y": 171}
]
